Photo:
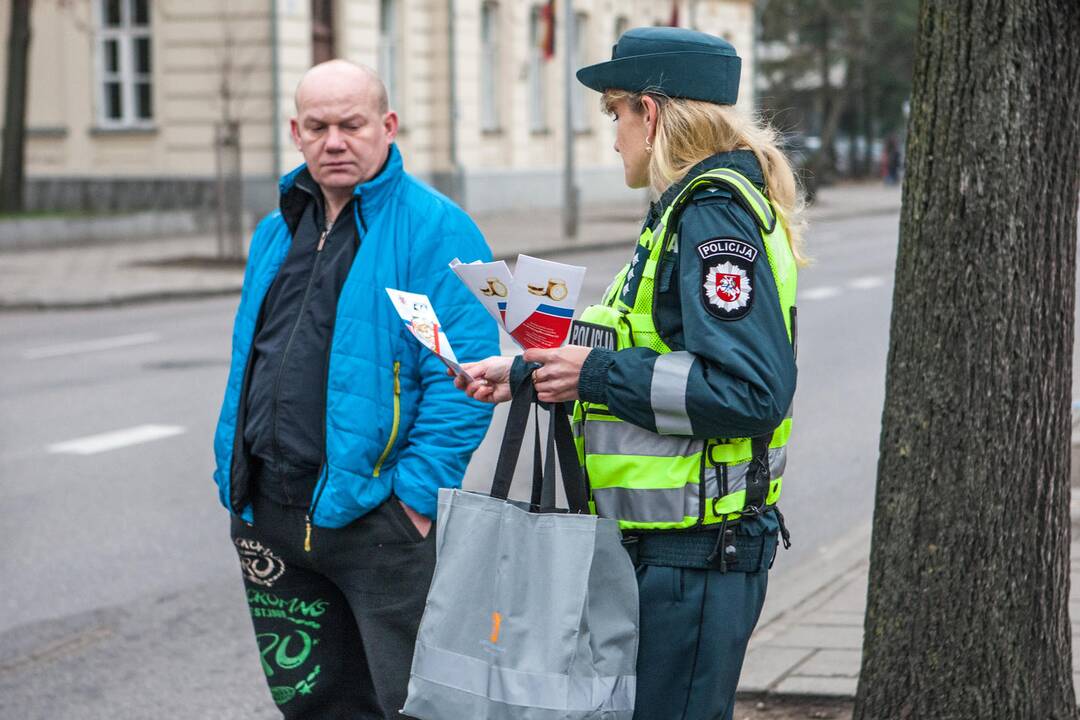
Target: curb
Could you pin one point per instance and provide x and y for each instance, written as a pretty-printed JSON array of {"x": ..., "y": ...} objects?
[
  {"x": 563, "y": 247},
  {"x": 568, "y": 247},
  {"x": 117, "y": 300},
  {"x": 831, "y": 216}
]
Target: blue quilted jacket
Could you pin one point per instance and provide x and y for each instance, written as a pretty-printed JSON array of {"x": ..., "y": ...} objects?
[{"x": 394, "y": 421}]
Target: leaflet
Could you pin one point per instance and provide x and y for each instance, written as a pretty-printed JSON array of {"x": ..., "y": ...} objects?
[
  {"x": 489, "y": 282},
  {"x": 419, "y": 316},
  {"x": 535, "y": 304},
  {"x": 540, "y": 308}
]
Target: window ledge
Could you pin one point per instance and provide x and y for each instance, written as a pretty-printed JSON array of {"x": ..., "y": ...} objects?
[
  {"x": 121, "y": 130},
  {"x": 492, "y": 132},
  {"x": 46, "y": 132},
  {"x": 540, "y": 131},
  {"x": 586, "y": 132}
]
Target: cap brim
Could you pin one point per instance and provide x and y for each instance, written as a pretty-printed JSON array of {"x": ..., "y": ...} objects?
[{"x": 695, "y": 75}]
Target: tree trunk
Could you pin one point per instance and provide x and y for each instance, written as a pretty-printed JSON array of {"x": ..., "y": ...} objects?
[
  {"x": 967, "y": 613},
  {"x": 13, "y": 152}
]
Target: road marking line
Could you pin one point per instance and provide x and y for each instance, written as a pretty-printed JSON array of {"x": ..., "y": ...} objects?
[
  {"x": 90, "y": 346},
  {"x": 117, "y": 439},
  {"x": 867, "y": 283},
  {"x": 820, "y": 293}
]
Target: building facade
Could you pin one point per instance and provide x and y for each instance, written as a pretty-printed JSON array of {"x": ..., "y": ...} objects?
[{"x": 126, "y": 97}]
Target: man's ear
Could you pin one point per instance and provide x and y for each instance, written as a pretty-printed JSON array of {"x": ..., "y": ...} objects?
[
  {"x": 390, "y": 123},
  {"x": 294, "y": 130}
]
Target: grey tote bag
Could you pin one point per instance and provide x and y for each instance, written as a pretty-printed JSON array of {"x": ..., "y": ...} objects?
[{"x": 533, "y": 611}]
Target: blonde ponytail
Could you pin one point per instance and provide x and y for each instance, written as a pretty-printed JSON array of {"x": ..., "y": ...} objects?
[{"x": 688, "y": 131}]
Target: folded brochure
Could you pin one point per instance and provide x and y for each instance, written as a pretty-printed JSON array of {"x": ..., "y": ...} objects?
[
  {"x": 419, "y": 316},
  {"x": 535, "y": 304}
]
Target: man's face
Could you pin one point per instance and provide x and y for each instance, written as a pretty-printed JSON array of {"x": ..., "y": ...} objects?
[{"x": 342, "y": 133}]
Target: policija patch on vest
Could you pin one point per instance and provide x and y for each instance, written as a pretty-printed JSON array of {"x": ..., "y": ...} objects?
[
  {"x": 592, "y": 335},
  {"x": 727, "y": 277}
]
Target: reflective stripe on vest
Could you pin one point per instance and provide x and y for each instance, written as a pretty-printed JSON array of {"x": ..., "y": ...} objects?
[{"x": 667, "y": 479}]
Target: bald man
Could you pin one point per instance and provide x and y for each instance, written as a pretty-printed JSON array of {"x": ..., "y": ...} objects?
[{"x": 338, "y": 428}]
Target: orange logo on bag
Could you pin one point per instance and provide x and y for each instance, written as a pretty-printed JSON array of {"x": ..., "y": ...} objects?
[{"x": 496, "y": 623}]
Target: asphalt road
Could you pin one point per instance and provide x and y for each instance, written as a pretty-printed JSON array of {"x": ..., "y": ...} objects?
[{"x": 121, "y": 593}]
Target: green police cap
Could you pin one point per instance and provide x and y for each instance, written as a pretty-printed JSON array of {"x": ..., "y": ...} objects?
[{"x": 675, "y": 61}]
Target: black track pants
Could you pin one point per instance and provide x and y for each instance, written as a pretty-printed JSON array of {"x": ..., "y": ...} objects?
[{"x": 335, "y": 626}]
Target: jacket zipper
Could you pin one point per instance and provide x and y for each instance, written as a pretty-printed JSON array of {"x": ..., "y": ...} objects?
[
  {"x": 361, "y": 231},
  {"x": 292, "y": 335},
  {"x": 397, "y": 419}
]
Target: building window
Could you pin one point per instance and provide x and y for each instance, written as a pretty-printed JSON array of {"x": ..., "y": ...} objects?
[
  {"x": 388, "y": 47},
  {"x": 537, "y": 84},
  {"x": 322, "y": 31},
  {"x": 579, "y": 44},
  {"x": 489, "y": 67},
  {"x": 125, "y": 63},
  {"x": 622, "y": 24}
]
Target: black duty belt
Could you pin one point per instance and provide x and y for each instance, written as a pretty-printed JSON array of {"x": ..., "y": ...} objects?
[{"x": 739, "y": 552}]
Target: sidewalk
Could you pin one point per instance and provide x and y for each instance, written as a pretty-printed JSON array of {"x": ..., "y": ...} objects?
[
  {"x": 100, "y": 275},
  {"x": 809, "y": 639}
]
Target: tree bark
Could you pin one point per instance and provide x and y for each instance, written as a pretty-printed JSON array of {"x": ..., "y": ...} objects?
[
  {"x": 12, "y": 156},
  {"x": 967, "y": 613}
]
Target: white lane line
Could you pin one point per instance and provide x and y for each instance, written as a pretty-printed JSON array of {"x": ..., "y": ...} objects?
[
  {"x": 820, "y": 293},
  {"x": 117, "y": 439},
  {"x": 90, "y": 346},
  {"x": 867, "y": 283}
]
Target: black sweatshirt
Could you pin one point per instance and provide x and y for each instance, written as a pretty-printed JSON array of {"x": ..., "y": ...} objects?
[{"x": 286, "y": 415}]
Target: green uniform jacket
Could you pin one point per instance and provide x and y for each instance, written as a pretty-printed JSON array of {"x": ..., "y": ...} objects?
[{"x": 743, "y": 377}]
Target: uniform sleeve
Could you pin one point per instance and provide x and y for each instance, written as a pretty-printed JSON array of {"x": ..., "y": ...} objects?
[
  {"x": 449, "y": 425},
  {"x": 733, "y": 374}
]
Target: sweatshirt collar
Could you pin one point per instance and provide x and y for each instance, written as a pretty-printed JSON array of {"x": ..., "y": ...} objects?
[{"x": 373, "y": 193}]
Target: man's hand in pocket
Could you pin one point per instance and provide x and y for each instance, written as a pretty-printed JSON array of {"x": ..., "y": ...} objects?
[{"x": 421, "y": 522}]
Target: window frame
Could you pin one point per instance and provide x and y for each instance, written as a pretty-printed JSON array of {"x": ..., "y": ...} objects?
[
  {"x": 125, "y": 36},
  {"x": 388, "y": 47},
  {"x": 328, "y": 34},
  {"x": 490, "y": 51},
  {"x": 538, "y": 91},
  {"x": 579, "y": 115}
]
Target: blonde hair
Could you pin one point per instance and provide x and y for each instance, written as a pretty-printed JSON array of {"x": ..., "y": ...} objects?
[{"x": 688, "y": 131}]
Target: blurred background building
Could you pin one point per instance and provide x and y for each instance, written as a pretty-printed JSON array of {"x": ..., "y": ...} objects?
[{"x": 135, "y": 104}]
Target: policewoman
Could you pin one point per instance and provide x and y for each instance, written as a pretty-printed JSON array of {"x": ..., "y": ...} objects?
[{"x": 682, "y": 402}]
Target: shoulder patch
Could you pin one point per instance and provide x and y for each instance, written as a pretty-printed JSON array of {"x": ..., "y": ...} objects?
[{"x": 727, "y": 277}]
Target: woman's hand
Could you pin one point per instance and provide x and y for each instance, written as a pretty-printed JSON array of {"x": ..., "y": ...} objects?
[
  {"x": 557, "y": 381},
  {"x": 491, "y": 379}
]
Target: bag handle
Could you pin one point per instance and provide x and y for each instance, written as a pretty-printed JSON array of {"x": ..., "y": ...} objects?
[
  {"x": 516, "y": 422},
  {"x": 560, "y": 446}
]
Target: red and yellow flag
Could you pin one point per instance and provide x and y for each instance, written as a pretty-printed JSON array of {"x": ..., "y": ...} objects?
[{"x": 547, "y": 30}]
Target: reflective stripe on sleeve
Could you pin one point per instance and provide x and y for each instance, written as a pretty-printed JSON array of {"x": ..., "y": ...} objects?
[{"x": 668, "y": 396}]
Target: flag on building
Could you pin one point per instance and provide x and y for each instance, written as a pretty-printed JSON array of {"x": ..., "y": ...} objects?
[
  {"x": 674, "y": 13},
  {"x": 547, "y": 30}
]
